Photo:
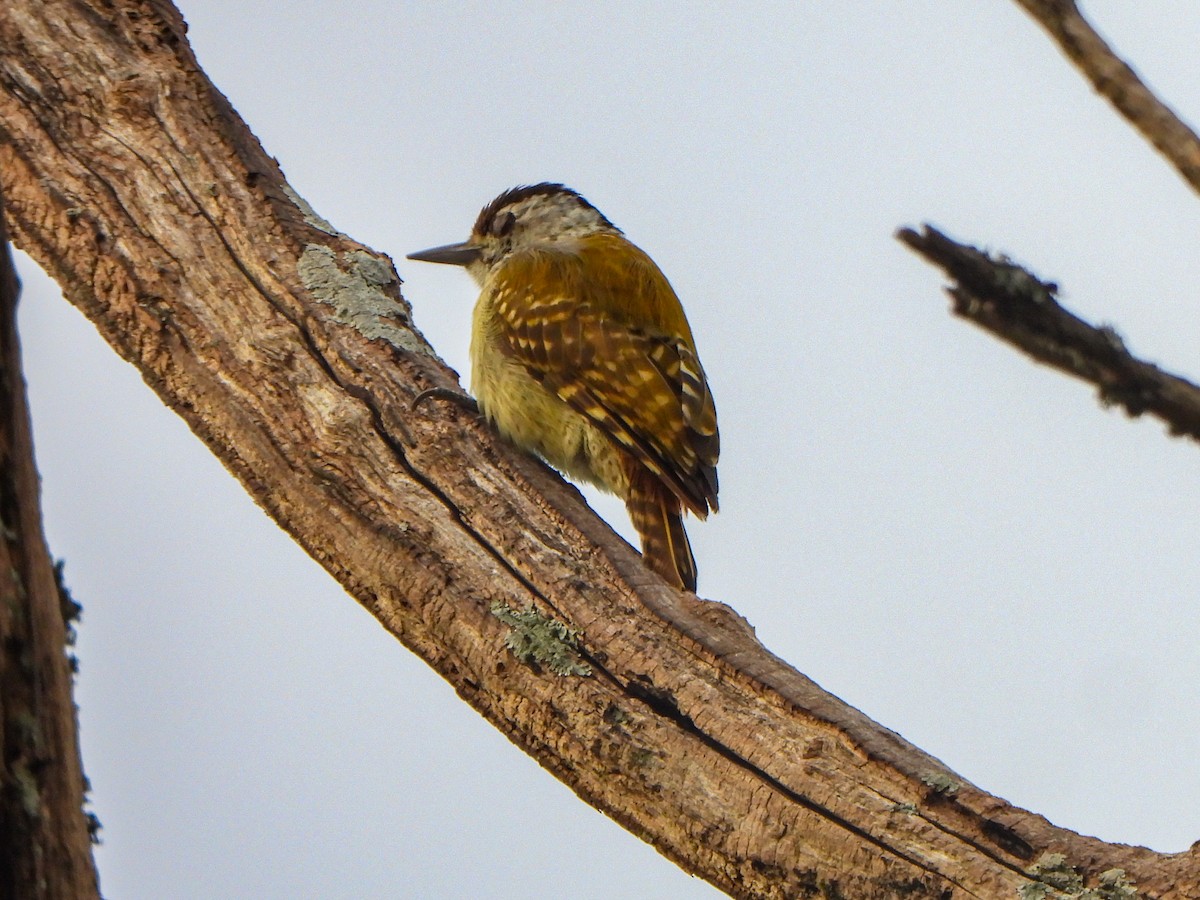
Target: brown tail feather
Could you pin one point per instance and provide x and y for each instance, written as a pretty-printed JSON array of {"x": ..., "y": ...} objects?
[{"x": 656, "y": 514}]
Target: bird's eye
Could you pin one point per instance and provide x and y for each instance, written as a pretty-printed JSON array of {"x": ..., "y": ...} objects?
[{"x": 503, "y": 225}]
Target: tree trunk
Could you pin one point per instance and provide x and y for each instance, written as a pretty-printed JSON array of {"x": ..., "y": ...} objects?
[
  {"x": 289, "y": 350},
  {"x": 45, "y": 845}
]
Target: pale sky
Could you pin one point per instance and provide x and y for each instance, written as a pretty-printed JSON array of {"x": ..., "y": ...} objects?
[{"x": 963, "y": 545}]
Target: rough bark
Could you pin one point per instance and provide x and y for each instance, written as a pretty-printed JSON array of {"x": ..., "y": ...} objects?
[
  {"x": 45, "y": 846},
  {"x": 289, "y": 350}
]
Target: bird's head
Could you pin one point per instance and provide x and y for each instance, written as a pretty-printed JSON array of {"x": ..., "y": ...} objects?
[{"x": 523, "y": 218}]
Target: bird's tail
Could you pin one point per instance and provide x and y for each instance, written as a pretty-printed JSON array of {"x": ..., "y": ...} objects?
[{"x": 658, "y": 517}]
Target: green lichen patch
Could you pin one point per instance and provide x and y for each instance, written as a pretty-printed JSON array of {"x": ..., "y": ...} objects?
[
  {"x": 941, "y": 783},
  {"x": 538, "y": 639},
  {"x": 1058, "y": 881},
  {"x": 363, "y": 293}
]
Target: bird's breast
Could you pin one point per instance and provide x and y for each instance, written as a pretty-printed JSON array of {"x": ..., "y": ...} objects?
[{"x": 532, "y": 417}]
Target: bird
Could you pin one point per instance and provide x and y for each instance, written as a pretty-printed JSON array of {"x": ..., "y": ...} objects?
[{"x": 581, "y": 353}]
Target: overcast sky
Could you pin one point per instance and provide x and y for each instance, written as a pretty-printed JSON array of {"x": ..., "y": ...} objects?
[{"x": 965, "y": 546}]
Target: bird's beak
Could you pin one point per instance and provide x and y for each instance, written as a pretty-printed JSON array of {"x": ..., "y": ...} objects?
[{"x": 451, "y": 254}]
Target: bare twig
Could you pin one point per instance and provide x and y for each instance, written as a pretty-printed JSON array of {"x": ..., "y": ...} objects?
[
  {"x": 1116, "y": 81},
  {"x": 1018, "y": 307}
]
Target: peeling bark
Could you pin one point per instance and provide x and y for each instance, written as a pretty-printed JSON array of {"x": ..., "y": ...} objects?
[{"x": 289, "y": 350}]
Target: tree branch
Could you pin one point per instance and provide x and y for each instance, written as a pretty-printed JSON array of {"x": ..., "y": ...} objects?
[
  {"x": 1116, "y": 81},
  {"x": 289, "y": 350},
  {"x": 45, "y": 846},
  {"x": 1016, "y": 306}
]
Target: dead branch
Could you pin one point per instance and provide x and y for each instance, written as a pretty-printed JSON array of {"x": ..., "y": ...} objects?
[
  {"x": 1016, "y": 306},
  {"x": 45, "y": 846},
  {"x": 1119, "y": 84}
]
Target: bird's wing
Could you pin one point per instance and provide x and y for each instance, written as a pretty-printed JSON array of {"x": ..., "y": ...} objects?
[{"x": 644, "y": 388}]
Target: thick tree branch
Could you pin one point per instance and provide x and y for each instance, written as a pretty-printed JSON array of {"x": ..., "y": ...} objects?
[
  {"x": 287, "y": 347},
  {"x": 1016, "y": 306},
  {"x": 1116, "y": 81},
  {"x": 45, "y": 848}
]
